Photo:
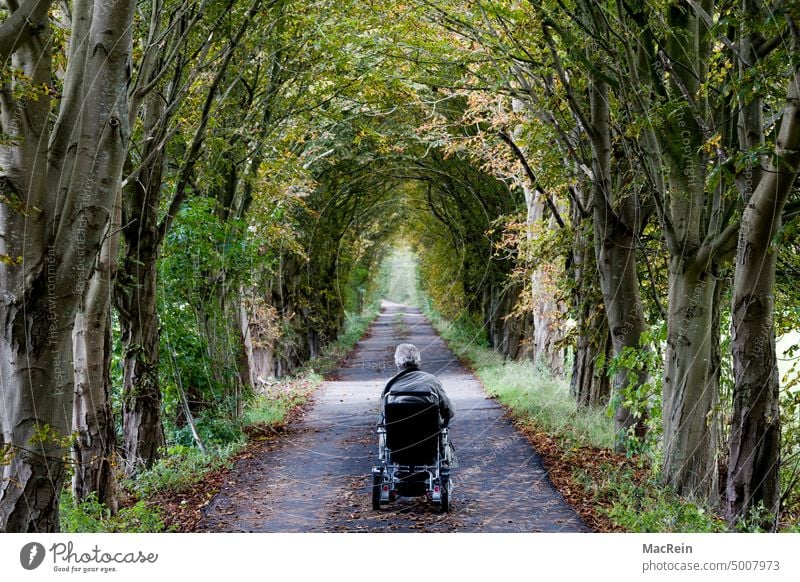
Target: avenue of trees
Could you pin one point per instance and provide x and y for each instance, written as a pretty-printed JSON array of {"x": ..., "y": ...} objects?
[{"x": 195, "y": 193}]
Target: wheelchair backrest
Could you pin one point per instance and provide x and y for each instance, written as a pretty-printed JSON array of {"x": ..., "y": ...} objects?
[{"x": 412, "y": 427}]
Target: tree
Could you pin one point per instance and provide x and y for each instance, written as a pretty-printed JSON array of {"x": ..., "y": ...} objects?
[
  {"x": 190, "y": 44},
  {"x": 59, "y": 185},
  {"x": 754, "y": 449}
]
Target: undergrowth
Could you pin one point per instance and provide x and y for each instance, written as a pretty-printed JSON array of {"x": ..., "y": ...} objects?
[
  {"x": 91, "y": 516},
  {"x": 637, "y": 503}
]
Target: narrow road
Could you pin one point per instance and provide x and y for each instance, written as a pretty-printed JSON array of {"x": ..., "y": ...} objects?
[{"x": 317, "y": 477}]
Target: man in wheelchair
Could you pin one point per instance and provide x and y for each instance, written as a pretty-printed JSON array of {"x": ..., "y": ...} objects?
[{"x": 415, "y": 454}]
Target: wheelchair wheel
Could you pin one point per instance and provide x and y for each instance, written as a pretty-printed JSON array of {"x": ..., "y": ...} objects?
[
  {"x": 444, "y": 507},
  {"x": 376, "y": 491}
]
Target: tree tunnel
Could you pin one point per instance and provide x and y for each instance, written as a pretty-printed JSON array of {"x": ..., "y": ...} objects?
[{"x": 221, "y": 186}]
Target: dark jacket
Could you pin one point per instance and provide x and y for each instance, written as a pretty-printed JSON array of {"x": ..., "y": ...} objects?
[{"x": 411, "y": 380}]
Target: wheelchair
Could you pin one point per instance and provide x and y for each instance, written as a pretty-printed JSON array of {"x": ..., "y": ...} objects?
[{"x": 411, "y": 452}]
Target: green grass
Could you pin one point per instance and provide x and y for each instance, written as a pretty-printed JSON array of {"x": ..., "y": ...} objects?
[
  {"x": 532, "y": 394},
  {"x": 181, "y": 467},
  {"x": 272, "y": 410}
]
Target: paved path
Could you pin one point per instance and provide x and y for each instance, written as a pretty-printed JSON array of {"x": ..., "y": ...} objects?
[{"x": 316, "y": 478}]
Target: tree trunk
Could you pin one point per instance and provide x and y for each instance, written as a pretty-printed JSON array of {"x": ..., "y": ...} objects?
[
  {"x": 615, "y": 250},
  {"x": 548, "y": 325},
  {"x": 690, "y": 216},
  {"x": 691, "y": 381},
  {"x": 754, "y": 450},
  {"x": 511, "y": 324},
  {"x": 619, "y": 282},
  {"x": 501, "y": 324},
  {"x": 35, "y": 392},
  {"x": 547, "y": 328},
  {"x": 93, "y": 419},
  {"x": 546, "y": 331},
  {"x": 589, "y": 385},
  {"x": 244, "y": 359},
  {"x": 285, "y": 355},
  {"x": 211, "y": 323},
  {"x": 143, "y": 433},
  {"x": 224, "y": 323},
  {"x": 136, "y": 302}
]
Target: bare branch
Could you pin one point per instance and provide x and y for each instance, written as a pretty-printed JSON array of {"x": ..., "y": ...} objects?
[
  {"x": 670, "y": 235},
  {"x": 709, "y": 22},
  {"x": 723, "y": 243}
]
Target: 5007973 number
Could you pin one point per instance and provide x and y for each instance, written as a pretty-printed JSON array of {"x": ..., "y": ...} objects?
[{"x": 754, "y": 565}]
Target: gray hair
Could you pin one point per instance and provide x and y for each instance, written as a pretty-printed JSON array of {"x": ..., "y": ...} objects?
[{"x": 407, "y": 355}]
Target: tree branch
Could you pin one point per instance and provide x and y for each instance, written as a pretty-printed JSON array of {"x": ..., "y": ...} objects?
[
  {"x": 768, "y": 46},
  {"x": 670, "y": 235},
  {"x": 709, "y": 22},
  {"x": 21, "y": 26},
  {"x": 790, "y": 212},
  {"x": 577, "y": 110},
  {"x": 531, "y": 176},
  {"x": 724, "y": 241}
]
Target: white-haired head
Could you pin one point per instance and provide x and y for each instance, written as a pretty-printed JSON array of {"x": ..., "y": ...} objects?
[{"x": 407, "y": 355}]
